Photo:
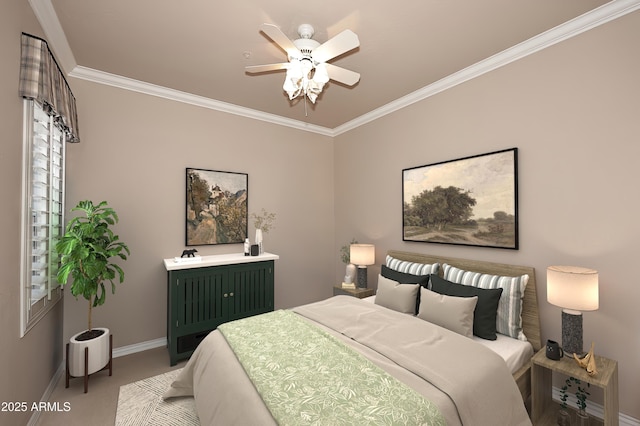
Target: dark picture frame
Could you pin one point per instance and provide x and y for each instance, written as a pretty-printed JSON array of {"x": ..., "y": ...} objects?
[
  {"x": 470, "y": 201},
  {"x": 216, "y": 207}
]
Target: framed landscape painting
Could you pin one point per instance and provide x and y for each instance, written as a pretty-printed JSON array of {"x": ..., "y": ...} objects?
[
  {"x": 469, "y": 201},
  {"x": 216, "y": 207}
]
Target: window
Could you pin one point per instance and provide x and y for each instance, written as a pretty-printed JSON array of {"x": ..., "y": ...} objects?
[
  {"x": 50, "y": 120},
  {"x": 42, "y": 212}
]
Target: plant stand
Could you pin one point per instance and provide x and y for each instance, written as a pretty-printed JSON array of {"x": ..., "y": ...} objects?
[{"x": 86, "y": 365}]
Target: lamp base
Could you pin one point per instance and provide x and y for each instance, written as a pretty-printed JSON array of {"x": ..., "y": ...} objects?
[
  {"x": 362, "y": 277},
  {"x": 572, "y": 333}
]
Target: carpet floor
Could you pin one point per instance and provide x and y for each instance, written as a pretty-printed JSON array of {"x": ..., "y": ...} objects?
[
  {"x": 98, "y": 406},
  {"x": 140, "y": 404}
]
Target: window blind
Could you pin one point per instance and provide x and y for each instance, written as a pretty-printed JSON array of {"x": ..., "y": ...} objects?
[{"x": 43, "y": 208}]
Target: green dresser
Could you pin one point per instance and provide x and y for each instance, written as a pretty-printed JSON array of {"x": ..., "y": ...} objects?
[{"x": 206, "y": 292}]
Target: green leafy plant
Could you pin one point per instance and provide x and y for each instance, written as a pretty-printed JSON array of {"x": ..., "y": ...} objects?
[
  {"x": 581, "y": 393},
  {"x": 345, "y": 251},
  {"x": 87, "y": 248},
  {"x": 264, "y": 221}
]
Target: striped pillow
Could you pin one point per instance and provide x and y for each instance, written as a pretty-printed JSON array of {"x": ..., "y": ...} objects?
[
  {"x": 509, "y": 318},
  {"x": 412, "y": 267}
]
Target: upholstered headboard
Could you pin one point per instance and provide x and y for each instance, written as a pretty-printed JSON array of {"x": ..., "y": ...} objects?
[{"x": 530, "y": 317}]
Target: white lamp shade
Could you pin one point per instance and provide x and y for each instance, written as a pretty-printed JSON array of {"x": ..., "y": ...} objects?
[
  {"x": 362, "y": 254},
  {"x": 572, "y": 287}
]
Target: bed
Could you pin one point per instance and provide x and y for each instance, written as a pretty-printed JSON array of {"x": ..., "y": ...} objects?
[
  {"x": 530, "y": 316},
  {"x": 433, "y": 379}
]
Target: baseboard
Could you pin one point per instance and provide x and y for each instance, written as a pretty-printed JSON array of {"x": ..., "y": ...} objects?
[
  {"x": 594, "y": 409},
  {"x": 117, "y": 352},
  {"x": 139, "y": 347},
  {"x": 47, "y": 393}
]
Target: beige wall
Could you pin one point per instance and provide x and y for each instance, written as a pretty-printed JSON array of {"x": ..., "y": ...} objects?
[
  {"x": 26, "y": 364},
  {"x": 572, "y": 110},
  {"x": 134, "y": 152}
]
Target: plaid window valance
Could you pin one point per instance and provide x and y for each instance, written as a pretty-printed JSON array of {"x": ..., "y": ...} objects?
[{"x": 42, "y": 80}]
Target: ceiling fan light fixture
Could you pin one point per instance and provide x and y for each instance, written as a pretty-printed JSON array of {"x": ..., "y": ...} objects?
[{"x": 307, "y": 69}]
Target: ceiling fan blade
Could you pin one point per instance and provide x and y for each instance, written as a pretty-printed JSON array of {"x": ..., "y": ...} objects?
[
  {"x": 264, "y": 68},
  {"x": 276, "y": 34},
  {"x": 342, "y": 75},
  {"x": 336, "y": 46}
]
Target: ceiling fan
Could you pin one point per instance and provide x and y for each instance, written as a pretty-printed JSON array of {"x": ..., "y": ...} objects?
[{"x": 308, "y": 69}]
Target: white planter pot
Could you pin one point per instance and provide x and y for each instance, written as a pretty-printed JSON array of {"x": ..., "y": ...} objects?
[{"x": 99, "y": 353}]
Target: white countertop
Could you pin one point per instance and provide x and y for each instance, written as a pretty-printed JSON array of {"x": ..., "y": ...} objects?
[{"x": 215, "y": 260}]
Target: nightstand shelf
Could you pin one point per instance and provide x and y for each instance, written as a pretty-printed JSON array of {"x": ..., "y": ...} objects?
[
  {"x": 550, "y": 417},
  {"x": 541, "y": 374},
  {"x": 360, "y": 293}
]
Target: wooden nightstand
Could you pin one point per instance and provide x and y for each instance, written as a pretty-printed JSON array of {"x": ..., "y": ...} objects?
[
  {"x": 360, "y": 293},
  {"x": 541, "y": 373}
]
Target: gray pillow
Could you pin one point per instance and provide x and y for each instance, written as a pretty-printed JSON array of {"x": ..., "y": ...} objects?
[
  {"x": 485, "y": 314},
  {"x": 509, "y": 315},
  {"x": 451, "y": 312},
  {"x": 399, "y": 297}
]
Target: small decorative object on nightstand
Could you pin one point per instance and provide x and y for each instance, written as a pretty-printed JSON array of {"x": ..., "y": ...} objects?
[
  {"x": 350, "y": 286},
  {"x": 345, "y": 256},
  {"x": 541, "y": 375},
  {"x": 360, "y": 293}
]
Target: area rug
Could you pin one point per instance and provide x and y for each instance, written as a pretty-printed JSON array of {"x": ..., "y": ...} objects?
[{"x": 140, "y": 404}]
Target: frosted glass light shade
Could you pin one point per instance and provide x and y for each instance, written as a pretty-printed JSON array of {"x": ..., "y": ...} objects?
[
  {"x": 362, "y": 254},
  {"x": 321, "y": 76},
  {"x": 573, "y": 287}
]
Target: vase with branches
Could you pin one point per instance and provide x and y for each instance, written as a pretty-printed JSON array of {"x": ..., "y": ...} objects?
[{"x": 263, "y": 222}]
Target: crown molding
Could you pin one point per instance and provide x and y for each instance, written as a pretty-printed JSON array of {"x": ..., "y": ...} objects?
[
  {"x": 569, "y": 29},
  {"x": 126, "y": 83},
  {"x": 56, "y": 39},
  {"x": 48, "y": 19}
]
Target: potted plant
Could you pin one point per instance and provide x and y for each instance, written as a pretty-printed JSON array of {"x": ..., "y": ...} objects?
[
  {"x": 563, "y": 414},
  {"x": 87, "y": 249},
  {"x": 581, "y": 402},
  {"x": 345, "y": 256}
]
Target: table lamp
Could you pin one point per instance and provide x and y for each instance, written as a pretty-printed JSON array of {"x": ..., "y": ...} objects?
[
  {"x": 574, "y": 289},
  {"x": 362, "y": 255}
]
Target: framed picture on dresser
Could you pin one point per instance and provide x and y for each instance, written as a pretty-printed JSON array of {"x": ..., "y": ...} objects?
[
  {"x": 470, "y": 201},
  {"x": 216, "y": 207}
]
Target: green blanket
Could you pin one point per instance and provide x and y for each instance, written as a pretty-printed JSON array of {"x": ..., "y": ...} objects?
[{"x": 306, "y": 376}]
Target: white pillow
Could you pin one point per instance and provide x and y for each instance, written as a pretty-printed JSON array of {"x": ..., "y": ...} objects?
[
  {"x": 399, "y": 297},
  {"x": 451, "y": 312}
]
